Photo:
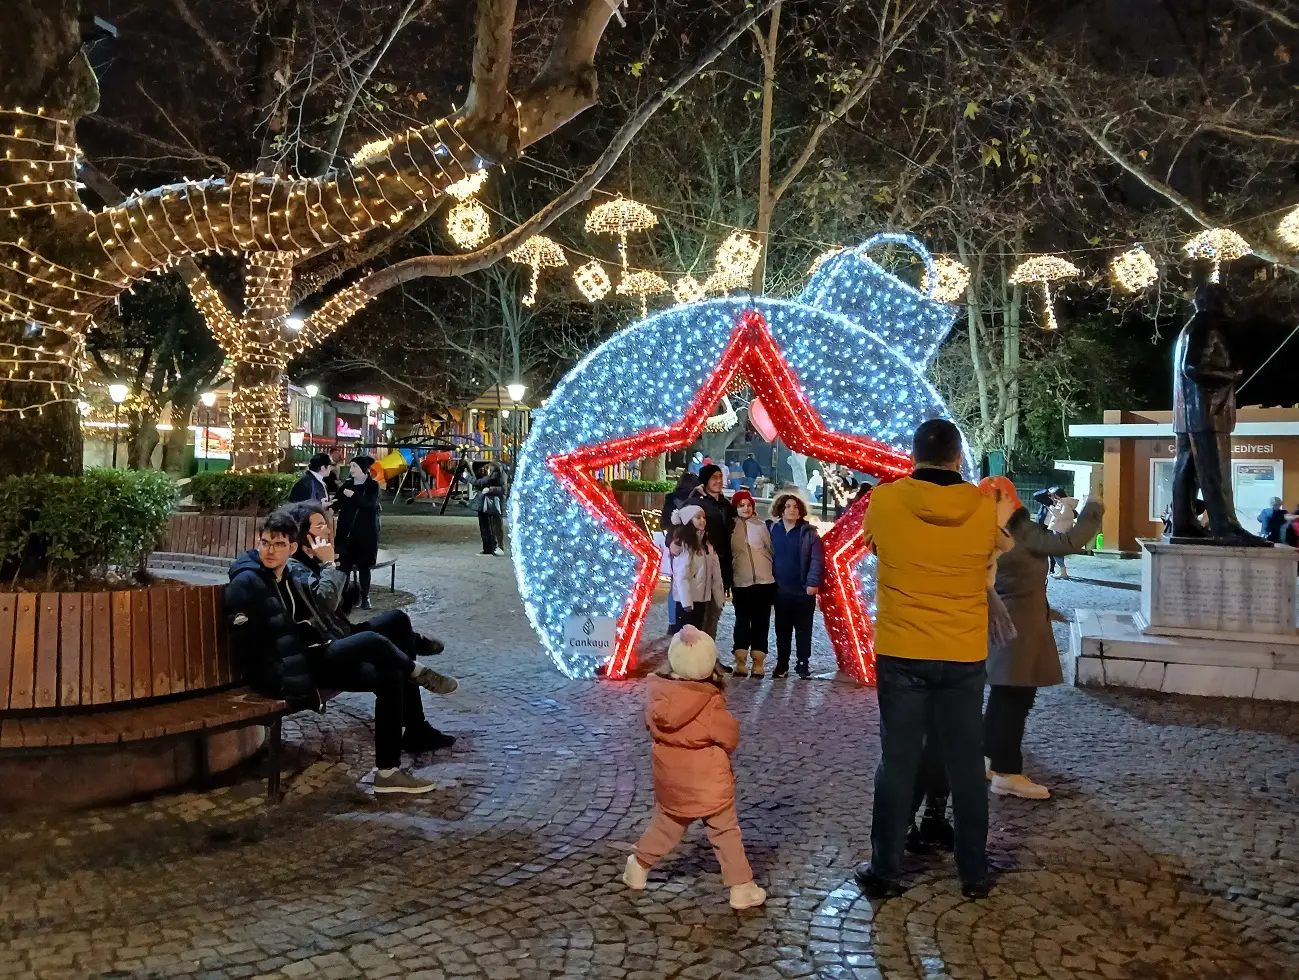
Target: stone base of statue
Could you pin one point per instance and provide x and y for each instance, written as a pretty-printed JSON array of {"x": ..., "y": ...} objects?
[{"x": 1215, "y": 621}]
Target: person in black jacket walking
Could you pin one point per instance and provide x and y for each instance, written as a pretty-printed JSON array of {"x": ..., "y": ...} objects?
[
  {"x": 312, "y": 484},
  {"x": 489, "y": 505},
  {"x": 290, "y": 647},
  {"x": 358, "y": 525}
]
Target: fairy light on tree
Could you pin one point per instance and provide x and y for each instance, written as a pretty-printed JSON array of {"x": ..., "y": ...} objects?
[
  {"x": 1044, "y": 270},
  {"x": 1217, "y": 245},
  {"x": 538, "y": 252},
  {"x": 1287, "y": 231},
  {"x": 620, "y": 217},
  {"x": 592, "y": 281},
  {"x": 643, "y": 284},
  {"x": 1134, "y": 270}
]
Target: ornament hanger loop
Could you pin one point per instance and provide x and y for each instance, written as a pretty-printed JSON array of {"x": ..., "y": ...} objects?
[{"x": 897, "y": 238}]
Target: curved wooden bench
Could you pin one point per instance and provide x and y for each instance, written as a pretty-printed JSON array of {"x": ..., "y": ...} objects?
[{"x": 103, "y": 670}]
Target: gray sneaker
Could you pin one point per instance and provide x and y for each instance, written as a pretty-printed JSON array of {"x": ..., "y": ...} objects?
[
  {"x": 402, "y": 781},
  {"x": 431, "y": 680}
]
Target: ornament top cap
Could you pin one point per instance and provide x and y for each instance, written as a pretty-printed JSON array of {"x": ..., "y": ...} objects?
[{"x": 855, "y": 286}]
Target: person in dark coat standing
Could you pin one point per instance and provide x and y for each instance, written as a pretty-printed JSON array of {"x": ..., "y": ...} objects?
[
  {"x": 489, "y": 505},
  {"x": 358, "y": 525},
  {"x": 677, "y": 498},
  {"x": 798, "y": 565},
  {"x": 1031, "y": 660},
  {"x": 752, "y": 470},
  {"x": 312, "y": 484},
  {"x": 1272, "y": 521},
  {"x": 719, "y": 514}
]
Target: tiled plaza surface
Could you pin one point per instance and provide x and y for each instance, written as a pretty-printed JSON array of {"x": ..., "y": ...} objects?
[{"x": 1169, "y": 851}]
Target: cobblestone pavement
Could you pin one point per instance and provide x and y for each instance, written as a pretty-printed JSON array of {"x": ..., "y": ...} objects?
[{"x": 1169, "y": 850}]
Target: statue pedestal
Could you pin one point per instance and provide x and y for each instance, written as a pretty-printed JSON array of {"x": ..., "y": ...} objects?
[{"x": 1214, "y": 621}]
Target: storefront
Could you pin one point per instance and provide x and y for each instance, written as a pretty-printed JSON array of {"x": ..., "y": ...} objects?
[{"x": 1138, "y": 468}]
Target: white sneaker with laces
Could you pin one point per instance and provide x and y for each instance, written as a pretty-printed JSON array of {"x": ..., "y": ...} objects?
[
  {"x": 635, "y": 877},
  {"x": 1019, "y": 785},
  {"x": 747, "y": 896}
]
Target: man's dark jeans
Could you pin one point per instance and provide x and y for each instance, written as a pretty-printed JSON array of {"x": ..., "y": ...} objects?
[{"x": 910, "y": 693}]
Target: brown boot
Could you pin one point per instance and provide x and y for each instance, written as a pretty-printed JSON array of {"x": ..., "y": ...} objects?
[
  {"x": 758, "y": 657},
  {"x": 741, "y": 663}
]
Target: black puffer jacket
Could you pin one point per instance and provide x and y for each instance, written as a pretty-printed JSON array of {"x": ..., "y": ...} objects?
[{"x": 261, "y": 633}]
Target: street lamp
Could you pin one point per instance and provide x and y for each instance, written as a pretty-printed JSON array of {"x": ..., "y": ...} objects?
[
  {"x": 208, "y": 398},
  {"x": 517, "y": 390},
  {"x": 312, "y": 391},
  {"x": 118, "y": 393}
]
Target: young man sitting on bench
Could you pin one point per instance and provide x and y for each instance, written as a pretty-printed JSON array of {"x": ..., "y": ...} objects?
[
  {"x": 289, "y": 649},
  {"x": 315, "y": 569}
]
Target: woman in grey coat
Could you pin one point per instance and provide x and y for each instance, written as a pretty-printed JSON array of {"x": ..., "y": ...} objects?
[{"x": 1031, "y": 660}]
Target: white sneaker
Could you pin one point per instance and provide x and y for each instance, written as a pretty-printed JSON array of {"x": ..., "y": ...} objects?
[
  {"x": 401, "y": 781},
  {"x": 635, "y": 876},
  {"x": 1018, "y": 785},
  {"x": 499, "y": 553},
  {"x": 747, "y": 896}
]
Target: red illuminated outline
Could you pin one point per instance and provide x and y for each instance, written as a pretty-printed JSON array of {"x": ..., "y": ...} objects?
[{"x": 753, "y": 350}]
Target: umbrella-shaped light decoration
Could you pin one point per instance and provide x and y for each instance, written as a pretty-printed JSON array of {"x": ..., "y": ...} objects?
[
  {"x": 736, "y": 259},
  {"x": 620, "y": 217},
  {"x": 592, "y": 281},
  {"x": 468, "y": 224},
  {"x": 1134, "y": 270},
  {"x": 539, "y": 252},
  {"x": 822, "y": 259},
  {"x": 1045, "y": 269},
  {"x": 1217, "y": 245},
  {"x": 951, "y": 279},
  {"x": 1288, "y": 231},
  {"x": 688, "y": 290},
  {"x": 643, "y": 284}
]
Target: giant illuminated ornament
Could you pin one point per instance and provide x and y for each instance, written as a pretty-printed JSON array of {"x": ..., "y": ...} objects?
[{"x": 840, "y": 370}]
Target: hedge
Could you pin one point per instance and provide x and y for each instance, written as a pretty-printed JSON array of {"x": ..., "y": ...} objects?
[
  {"x": 70, "y": 528},
  {"x": 644, "y": 486},
  {"x": 241, "y": 491}
]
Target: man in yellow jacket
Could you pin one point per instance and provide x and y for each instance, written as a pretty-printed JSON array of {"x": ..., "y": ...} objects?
[{"x": 934, "y": 536}]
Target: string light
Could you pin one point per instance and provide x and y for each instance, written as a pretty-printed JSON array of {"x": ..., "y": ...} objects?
[
  {"x": 592, "y": 281},
  {"x": 467, "y": 187},
  {"x": 951, "y": 280},
  {"x": 841, "y": 369},
  {"x": 725, "y": 420},
  {"x": 469, "y": 224},
  {"x": 538, "y": 252},
  {"x": 619, "y": 217},
  {"x": 822, "y": 259},
  {"x": 1217, "y": 245},
  {"x": 733, "y": 266},
  {"x": 1133, "y": 270},
  {"x": 1045, "y": 269},
  {"x": 688, "y": 290},
  {"x": 643, "y": 284},
  {"x": 1287, "y": 232}
]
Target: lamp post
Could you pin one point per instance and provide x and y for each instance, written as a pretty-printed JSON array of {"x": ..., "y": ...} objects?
[
  {"x": 312, "y": 391},
  {"x": 208, "y": 398},
  {"x": 118, "y": 393},
  {"x": 516, "y": 390}
]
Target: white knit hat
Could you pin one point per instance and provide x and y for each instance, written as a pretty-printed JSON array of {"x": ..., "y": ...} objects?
[
  {"x": 692, "y": 655},
  {"x": 684, "y": 515}
]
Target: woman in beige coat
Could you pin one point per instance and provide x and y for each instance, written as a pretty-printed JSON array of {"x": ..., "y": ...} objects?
[
  {"x": 1016, "y": 670},
  {"x": 754, "y": 585}
]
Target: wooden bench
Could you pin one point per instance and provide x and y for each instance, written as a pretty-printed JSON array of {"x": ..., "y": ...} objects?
[{"x": 102, "y": 670}]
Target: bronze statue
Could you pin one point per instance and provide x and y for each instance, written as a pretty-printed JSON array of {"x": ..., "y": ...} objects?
[{"x": 1204, "y": 415}]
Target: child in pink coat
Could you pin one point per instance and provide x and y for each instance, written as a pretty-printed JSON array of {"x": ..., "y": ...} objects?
[{"x": 694, "y": 736}]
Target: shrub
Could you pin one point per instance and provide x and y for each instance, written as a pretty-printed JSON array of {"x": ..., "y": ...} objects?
[
  {"x": 68, "y": 528},
  {"x": 645, "y": 486},
  {"x": 241, "y": 491}
]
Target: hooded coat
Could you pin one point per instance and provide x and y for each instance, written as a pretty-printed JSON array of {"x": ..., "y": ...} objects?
[
  {"x": 694, "y": 736},
  {"x": 934, "y": 536},
  {"x": 266, "y": 643},
  {"x": 1032, "y": 659},
  {"x": 357, "y": 538}
]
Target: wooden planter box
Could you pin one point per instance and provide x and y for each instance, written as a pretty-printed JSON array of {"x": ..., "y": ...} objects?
[
  {"x": 211, "y": 535},
  {"x": 78, "y": 649}
]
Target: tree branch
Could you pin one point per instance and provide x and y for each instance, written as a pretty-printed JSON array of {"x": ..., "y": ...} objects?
[
  {"x": 213, "y": 45},
  {"x": 493, "y": 46},
  {"x": 459, "y": 265},
  {"x": 1267, "y": 10}
]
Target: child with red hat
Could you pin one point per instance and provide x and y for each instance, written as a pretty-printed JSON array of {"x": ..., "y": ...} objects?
[{"x": 754, "y": 588}]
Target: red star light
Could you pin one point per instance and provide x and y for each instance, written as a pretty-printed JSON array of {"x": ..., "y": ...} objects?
[{"x": 754, "y": 351}]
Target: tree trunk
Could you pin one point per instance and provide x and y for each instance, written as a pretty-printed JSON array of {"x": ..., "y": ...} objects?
[
  {"x": 141, "y": 440},
  {"x": 975, "y": 328},
  {"x": 177, "y": 440},
  {"x": 766, "y": 205},
  {"x": 1012, "y": 298},
  {"x": 256, "y": 413},
  {"x": 654, "y": 467}
]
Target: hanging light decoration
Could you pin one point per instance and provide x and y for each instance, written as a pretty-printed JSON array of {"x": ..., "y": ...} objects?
[
  {"x": 620, "y": 217},
  {"x": 1045, "y": 269},
  {"x": 468, "y": 224},
  {"x": 468, "y": 185},
  {"x": 736, "y": 259},
  {"x": 539, "y": 252},
  {"x": 1133, "y": 270},
  {"x": 643, "y": 283},
  {"x": 688, "y": 290},
  {"x": 723, "y": 421},
  {"x": 822, "y": 259},
  {"x": 1217, "y": 245},
  {"x": 1287, "y": 232},
  {"x": 951, "y": 280},
  {"x": 592, "y": 281}
]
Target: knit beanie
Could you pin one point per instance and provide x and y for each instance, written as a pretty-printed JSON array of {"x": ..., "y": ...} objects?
[
  {"x": 692, "y": 655},
  {"x": 740, "y": 497},
  {"x": 684, "y": 515}
]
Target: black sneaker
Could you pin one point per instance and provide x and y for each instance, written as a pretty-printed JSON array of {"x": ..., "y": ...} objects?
[
  {"x": 424, "y": 737},
  {"x": 937, "y": 832},
  {"x": 780, "y": 673},
  {"x": 803, "y": 671},
  {"x": 975, "y": 890},
  {"x": 427, "y": 646},
  {"x": 876, "y": 887},
  {"x": 916, "y": 844}
]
